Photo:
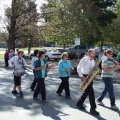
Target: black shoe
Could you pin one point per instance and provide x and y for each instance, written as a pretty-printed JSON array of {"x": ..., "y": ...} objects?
[
  {"x": 21, "y": 94},
  {"x": 94, "y": 112},
  {"x": 81, "y": 107},
  {"x": 68, "y": 97},
  {"x": 15, "y": 92},
  {"x": 59, "y": 94}
]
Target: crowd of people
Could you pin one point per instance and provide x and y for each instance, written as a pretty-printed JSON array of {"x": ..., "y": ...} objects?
[{"x": 40, "y": 69}]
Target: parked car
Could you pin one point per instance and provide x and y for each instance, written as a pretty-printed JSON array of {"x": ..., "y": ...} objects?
[
  {"x": 52, "y": 54},
  {"x": 77, "y": 50}
]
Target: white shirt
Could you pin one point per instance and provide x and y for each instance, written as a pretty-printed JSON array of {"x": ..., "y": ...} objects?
[
  {"x": 85, "y": 65},
  {"x": 17, "y": 63},
  {"x": 32, "y": 62}
]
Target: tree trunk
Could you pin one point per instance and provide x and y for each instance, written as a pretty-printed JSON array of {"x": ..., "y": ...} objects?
[
  {"x": 29, "y": 48},
  {"x": 101, "y": 44},
  {"x": 12, "y": 31}
]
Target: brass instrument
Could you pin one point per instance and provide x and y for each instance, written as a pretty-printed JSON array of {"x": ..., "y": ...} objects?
[{"x": 90, "y": 77}]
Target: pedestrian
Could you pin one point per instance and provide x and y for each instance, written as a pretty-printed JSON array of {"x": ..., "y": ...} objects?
[
  {"x": 109, "y": 66},
  {"x": 32, "y": 87},
  {"x": 118, "y": 57},
  {"x": 41, "y": 67},
  {"x": 64, "y": 67},
  {"x": 6, "y": 58},
  {"x": 84, "y": 67},
  {"x": 17, "y": 63},
  {"x": 11, "y": 54}
]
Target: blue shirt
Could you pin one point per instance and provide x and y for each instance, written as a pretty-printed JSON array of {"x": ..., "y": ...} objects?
[
  {"x": 43, "y": 69},
  {"x": 42, "y": 73},
  {"x": 62, "y": 65}
]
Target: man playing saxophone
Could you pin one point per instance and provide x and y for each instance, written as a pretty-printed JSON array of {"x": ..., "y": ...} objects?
[{"x": 84, "y": 67}]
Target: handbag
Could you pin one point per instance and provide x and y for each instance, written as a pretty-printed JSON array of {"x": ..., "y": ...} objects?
[{"x": 19, "y": 72}]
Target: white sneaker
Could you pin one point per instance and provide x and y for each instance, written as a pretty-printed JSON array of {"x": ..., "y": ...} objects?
[
  {"x": 114, "y": 107},
  {"x": 100, "y": 102}
]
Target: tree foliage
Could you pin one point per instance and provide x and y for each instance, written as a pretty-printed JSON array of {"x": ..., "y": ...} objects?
[{"x": 87, "y": 19}]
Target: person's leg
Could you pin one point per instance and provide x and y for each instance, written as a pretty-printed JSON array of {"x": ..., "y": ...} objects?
[
  {"x": 61, "y": 87},
  {"x": 16, "y": 80},
  {"x": 109, "y": 85},
  {"x": 66, "y": 84},
  {"x": 34, "y": 82},
  {"x": 91, "y": 96},
  {"x": 82, "y": 98},
  {"x": 7, "y": 62},
  {"x": 42, "y": 89},
  {"x": 103, "y": 93},
  {"x": 37, "y": 89}
]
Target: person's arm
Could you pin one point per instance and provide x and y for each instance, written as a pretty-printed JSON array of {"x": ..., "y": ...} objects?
[
  {"x": 107, "y": 69},
  {"x": 37, "y": 67},
  {"x": 60, "y": 66},
  {"x": 80, "y": 65},
  {"x": 11, "y": 63}
]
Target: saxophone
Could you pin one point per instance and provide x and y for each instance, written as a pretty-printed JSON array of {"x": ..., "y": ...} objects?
[{"x": 90, "y": 77}]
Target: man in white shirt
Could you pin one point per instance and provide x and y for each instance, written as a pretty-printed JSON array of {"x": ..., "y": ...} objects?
[
  {"x": 17, "y": 63},
  {"x": 85, "y": 65}
]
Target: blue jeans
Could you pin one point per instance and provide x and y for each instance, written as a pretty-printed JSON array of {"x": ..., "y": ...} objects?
[{"x": 108, "y": 81}]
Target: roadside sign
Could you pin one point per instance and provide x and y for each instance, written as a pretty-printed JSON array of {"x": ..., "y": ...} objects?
[{"x": 77, "y": 41}]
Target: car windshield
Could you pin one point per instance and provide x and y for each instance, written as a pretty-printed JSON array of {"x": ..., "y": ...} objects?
[{"x": 54, "y": 50}]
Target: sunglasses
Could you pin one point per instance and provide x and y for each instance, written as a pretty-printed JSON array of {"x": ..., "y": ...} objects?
[{"x": 110, "y": 54}]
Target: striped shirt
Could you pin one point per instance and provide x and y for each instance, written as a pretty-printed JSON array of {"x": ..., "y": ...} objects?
[{"x": 110, "y": 64}]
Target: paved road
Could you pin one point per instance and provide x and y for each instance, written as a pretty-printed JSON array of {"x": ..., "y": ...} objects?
[{"x": 15, "y": 108}]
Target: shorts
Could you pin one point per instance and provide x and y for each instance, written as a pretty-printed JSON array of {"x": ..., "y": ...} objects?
[{"x": 17, "y": 80}]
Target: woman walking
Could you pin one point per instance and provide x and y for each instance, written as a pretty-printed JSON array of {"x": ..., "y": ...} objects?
[
  {"x": 32, "y": 87},
  {"x": 41, "y": 67},
  {"x": 108, "y": 68},
  {"x": 64, "y": 67}
]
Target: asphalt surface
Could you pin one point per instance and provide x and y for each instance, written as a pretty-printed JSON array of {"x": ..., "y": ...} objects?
[{"x": 16, "y": 108}]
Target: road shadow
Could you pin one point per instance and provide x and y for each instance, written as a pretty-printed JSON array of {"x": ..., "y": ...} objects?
[
  {"x": 22, "y": 102},
  {"x": 117, "y": 111},
  {"x": 98, "y": 117},
  {"x": 52, "y": 112}
]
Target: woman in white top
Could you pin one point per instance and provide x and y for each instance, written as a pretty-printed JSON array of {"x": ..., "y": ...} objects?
[{"x": 33, "y": 59}]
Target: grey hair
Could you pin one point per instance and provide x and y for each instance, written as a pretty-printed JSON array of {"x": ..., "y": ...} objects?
[
  {"x": 90, "y": 50},
  {"x": 64, "y": 53}
]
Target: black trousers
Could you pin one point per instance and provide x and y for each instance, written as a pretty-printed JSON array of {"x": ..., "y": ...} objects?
[
  {"x": 40, "y": 88},
  {"x": 64, "y": 85},
  {"x": 88, "y": 92},
  {"x": 100, "y": 65},
  {"x": 6, "y": 62},
  {"x": 34, "y": 81}
]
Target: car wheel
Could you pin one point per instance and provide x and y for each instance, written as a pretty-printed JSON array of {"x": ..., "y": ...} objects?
[{"x": 46, "y": 57}]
